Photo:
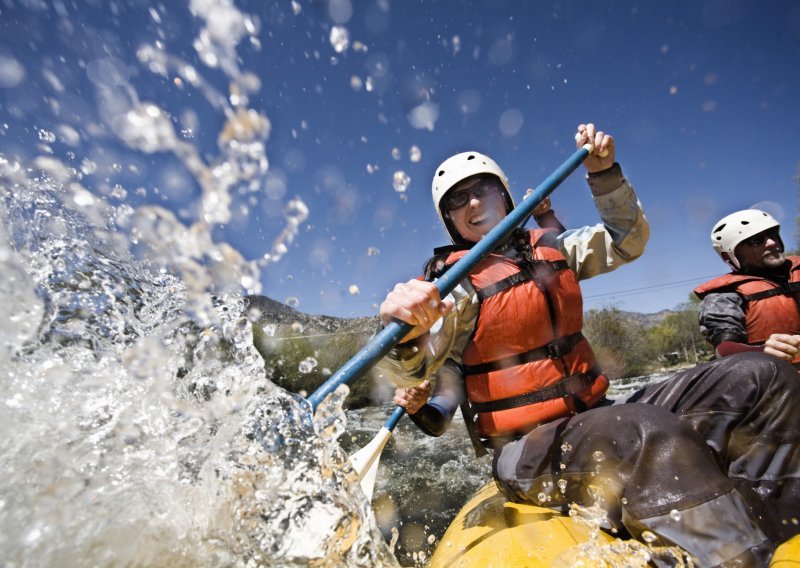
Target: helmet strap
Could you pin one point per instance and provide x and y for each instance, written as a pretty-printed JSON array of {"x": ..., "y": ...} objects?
[{"x": 730, "y": 260}]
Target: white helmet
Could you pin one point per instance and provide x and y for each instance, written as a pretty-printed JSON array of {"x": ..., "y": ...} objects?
[
  {"x": 737, "y": 227},
  {"x": 458, "y": 168}
]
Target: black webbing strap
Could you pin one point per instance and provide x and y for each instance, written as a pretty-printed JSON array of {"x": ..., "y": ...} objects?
[
  {"x": 564, "y": 388},
  {"x": 784, "y": 290},
  {"x": 539, "y": 268},
  {"x": 451, "y": 248},
  {"x": 472, "y": 429},
  {"x": 553, "y": 350}
]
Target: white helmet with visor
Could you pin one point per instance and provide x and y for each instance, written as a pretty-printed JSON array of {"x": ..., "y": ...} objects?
[
  {"x": 731, "y": 230},
  {"x": 458, "y": 168}
]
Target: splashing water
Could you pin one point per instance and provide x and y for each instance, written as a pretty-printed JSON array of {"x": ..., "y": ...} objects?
[
  {"x": 400, "y": 181},
  {"x": 139, "y": 426},
  {"x": 340, "y": 39}
]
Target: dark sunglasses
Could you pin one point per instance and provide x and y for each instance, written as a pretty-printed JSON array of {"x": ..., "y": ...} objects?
[
  {"x": 761, "y": 238},
  {"x": 458, "y": 199}
]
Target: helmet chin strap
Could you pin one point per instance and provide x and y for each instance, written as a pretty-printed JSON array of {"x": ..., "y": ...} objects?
[{"x": 731, "y": 260}]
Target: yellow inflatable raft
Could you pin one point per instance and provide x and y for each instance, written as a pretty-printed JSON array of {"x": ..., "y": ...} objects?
[{"x": 491, "y": 532}]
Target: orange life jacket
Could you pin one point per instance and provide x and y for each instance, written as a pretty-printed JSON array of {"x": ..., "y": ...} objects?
[
  {"x": 527, "y": 362},
  {"x": 770, "y": 307}
]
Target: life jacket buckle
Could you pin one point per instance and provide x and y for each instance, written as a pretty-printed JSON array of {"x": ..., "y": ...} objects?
[{"x": 554, "y": 351}]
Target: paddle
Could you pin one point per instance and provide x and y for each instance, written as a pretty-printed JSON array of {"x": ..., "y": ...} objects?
[{"x": 365, "y": 461}]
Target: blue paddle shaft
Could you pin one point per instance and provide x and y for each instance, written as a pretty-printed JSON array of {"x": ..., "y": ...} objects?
[
  {"x": 392, "y": 421},
  {"x": 390, "y": 335}
]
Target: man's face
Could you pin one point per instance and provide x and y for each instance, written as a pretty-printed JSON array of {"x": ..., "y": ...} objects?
[
  {"x": 475, "y": 206},
  {"x": 764, "y": 250}
]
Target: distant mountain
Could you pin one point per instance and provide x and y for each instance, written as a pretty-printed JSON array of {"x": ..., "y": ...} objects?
[
  {"x": 265, "y": 310},
  {"x": 648, "y": 320}
]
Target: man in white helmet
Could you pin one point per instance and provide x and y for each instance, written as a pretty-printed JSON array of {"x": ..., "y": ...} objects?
[
  {"x": 506, "y": 347},
  {"x": 755, "y": 307}
]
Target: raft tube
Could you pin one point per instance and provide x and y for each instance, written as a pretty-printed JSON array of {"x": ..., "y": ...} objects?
[{"x": 490, "y": 531}]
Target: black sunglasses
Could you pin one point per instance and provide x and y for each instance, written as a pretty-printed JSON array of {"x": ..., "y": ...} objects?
[
  {"x": 761, "y": 238},
  {"x": 458, "y": 199}
]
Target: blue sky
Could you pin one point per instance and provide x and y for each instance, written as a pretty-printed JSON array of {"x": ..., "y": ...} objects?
[{"x": 701, "y": 97}]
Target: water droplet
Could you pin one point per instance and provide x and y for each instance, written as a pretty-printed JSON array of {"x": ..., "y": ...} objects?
[
  {"x": 83, "y": 197},
  {"x": 295, "y": 211},
  {"x": 354, "y": 291},
  {"x": 562, "y": 485},
  {"x": 675, "y": 515},
  {"x": 47, "y": 136},
  {"x": 598, "y": 456},
  {"x": 373, "y": 251},
  {"x": 510, "y": 122},
  {"x": 11, "y": 72},
  {"x": 562, "y": 466},
  {"x": 456, "y": 42},
  {"x": 307, "y": 365},
  {"x": 400, "y": 181},
  {"x": 566, "y": 447},
  {"x": 649, "y": 537},
  {"x": 415, "y": 154},
  {"x": 396, "y": 153},
  {"x": 340, "y": 39},
  {"x": 424, "y": 116},
  {"x": 146, "y": 128},
  {"x": 269, "y": 329},
  {"x": 118, "y": 192},
  {"x": 298, "y": 327},
  {"x": 292, "y": 301},
  {"x": 541, "y": 497},
  {"x": 33, "y": 536}
]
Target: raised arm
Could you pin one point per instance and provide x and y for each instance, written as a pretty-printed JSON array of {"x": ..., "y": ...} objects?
[{"x": 624, "y": 231}]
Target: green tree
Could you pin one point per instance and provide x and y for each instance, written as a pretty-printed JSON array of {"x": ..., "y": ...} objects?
[
  {"x": 677, "y": 339},
  {"x": 620, "y": 343}
]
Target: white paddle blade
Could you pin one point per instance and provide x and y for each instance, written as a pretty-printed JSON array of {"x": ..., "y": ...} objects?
[{"x": 365, "y": 461}]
